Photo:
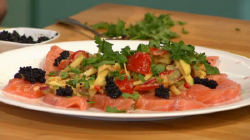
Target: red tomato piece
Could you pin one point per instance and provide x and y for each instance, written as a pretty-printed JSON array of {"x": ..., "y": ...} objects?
[
  {"x": 170, "y": 71},
  {"x": 186, "y": 85},
  {"x": 149, "y": 82},
  {"x": 77, "y": 54},
  {"x": 156, "y": 51},
  {"x": 125, "y": 85},
  {"x": 63, "y": 64},
  {"x": 163, "y": 73},
  {"x": 140, "y": 62},
  {"x": 146, "y": 87}
]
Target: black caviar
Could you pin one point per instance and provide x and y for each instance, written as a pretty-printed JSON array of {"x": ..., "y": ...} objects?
[
  {"x": 63, "y": 55},
  {"x": 162, "y": 92},
  {"x": 206, "y": 82},
  {"x": 111, "y": 89},
  {"x": 31, "y": 74},
  {"x": 67, "y": 91},
  {"x": 16, "y": 37}
]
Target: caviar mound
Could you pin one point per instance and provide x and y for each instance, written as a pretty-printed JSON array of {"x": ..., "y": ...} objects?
[
  {"x": 162, "y": 92},
  {"x": 206, "y": 82},
  {"x": 101, "y": 101},
  {"x": 16, "y": 37},
  {"x": 24, "y": 88},
  {"x": 111, "y": 89},
  {"x": 30, "y": 74},
  {"x": 63, "y": 55},
  {"x": 65, "y": 102},
  {"x": 67, "y": 91}
]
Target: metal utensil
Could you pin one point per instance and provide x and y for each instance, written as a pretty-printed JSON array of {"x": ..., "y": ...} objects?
[{"x": 70, "y": 21}]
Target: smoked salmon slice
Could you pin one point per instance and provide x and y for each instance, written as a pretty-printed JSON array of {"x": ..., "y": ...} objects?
[
  {"x": 225, "y": 91},
  {"x": 66, "y": 102},
  {"x": 24, "y": 88},
  {"x": 101, "y": 101},
  {"x": 50, "y": 59}
]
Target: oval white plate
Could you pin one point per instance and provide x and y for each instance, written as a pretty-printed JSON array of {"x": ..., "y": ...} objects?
[{"x": 237, "y": 68}]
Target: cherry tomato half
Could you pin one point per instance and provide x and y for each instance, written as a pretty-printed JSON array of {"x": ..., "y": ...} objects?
[
  {"x": 140, "y": 62},
  {"x": 146, "y": 87},
  {"x": 125, "y": 85},
  {"x": 77, "y": 54}
]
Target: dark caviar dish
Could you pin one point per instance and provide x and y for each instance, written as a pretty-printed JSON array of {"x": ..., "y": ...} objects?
[
  {"x": 63, "y": 55},
  {"x": 31, "y": 74},
  {"x": 162, "y": 92},
  {"x": 16, "y": 37},
  {"x": 206, "y": 82},
  {"x": 111, "y": 89},
  {"x": 65, "y": 92}
]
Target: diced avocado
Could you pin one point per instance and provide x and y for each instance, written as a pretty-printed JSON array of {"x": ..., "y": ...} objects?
[
  {"x": 185, "y": 67},
  {"x": 75, "y": 63},
  {"x": 189, "y": 79}
]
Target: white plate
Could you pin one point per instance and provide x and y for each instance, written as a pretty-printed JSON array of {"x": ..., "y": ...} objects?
[
  {"x": 33, "y": 32},
  {"x": 237, "y": 67}
]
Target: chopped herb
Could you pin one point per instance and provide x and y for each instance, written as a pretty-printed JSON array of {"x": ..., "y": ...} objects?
[
  {"x": 142, "y": 48},
  {"x": 126, "y": 51},
  {"x": 52, "y": 73},
  {"x": 237, "y": 29},
  {"x": 211, "y": 70},
  {"x": 100, "y": 25},
  {"x": 114, "y": 110},
  {"x": 133, "y": 107},
  {"x": 184, "y": 31},
  {"x": 141, "y": 77},
  {"x": 86, "y": 85},
  {"x": 181, "y": 22},
  {"x": 196, "y": 67},
  {"x": 121, "y": 78},
  {"x": 74, "y": 70},
  {"x": 133, "y": 96},
  {"x": 104, "y": 63},
  {"x": 92, "y": 102},
  {"x": 157, "y": 69},
  {"x": 64, "y": 74},
  {"x": 68, "y": 96}
]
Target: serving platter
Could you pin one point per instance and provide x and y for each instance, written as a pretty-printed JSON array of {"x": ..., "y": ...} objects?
[{"x": 236, "y": 67}]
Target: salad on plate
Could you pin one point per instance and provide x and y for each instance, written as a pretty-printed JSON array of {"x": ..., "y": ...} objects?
[{"x": 158, "y": 76}]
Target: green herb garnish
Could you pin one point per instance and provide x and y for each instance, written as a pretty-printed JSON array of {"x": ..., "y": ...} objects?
[
  {"x": 133, "y": 96},
  {"x": 114, "y": 110},
  {"x": 64, "y": 74},
  {"x": 157, "y": 69},
  {"x": 184, "y": 31},
  {"x": 141, "y": 77},
  {"x": 53, "y": 73}
]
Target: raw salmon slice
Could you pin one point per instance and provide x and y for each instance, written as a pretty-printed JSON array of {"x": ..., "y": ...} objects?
[
  {"x": 101, "y": 101},
  {"x": 66, "y": 102},
  {"x": 225, "y": 91},
  {"x": 50, "y": 59},
  {"x": 150, "y": 102},
  {"x": 177, "y": 103},
  {"x": 24, "y": 88},
  {"x": 212, "y": 60}
]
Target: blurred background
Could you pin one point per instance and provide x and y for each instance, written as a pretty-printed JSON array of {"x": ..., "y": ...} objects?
[{"x": 41, "y": 13}]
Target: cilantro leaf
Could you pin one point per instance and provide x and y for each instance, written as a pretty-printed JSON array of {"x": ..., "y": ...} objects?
[
  {"x": 86, "y": 85},
  {"x": 196, "y": 67},
  {"x": 211, "y": 70},
  {"x": 101, "y": 25},
  {"x": 126, "y": 51},
  {"x": 64, "y": 74},
  {"x": 141, "y": 77},
  {"x": 74, "y": 70},
  {"x": 116, "y": 29},
  {"x": 184, "y": 31},
  {"x": 142, "y": 48},
  {"x": 92, "y": 102},
  {"x": 133, "y": 96},
  {"x": 154, "y": 43},
  {"x": 157, "y": 69},
  {"x": 237, "y": 29},
  {"x": 181, "y": 22},
  {"x": 53, "y": 73},
  {"x": 114, "y": 110}
]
